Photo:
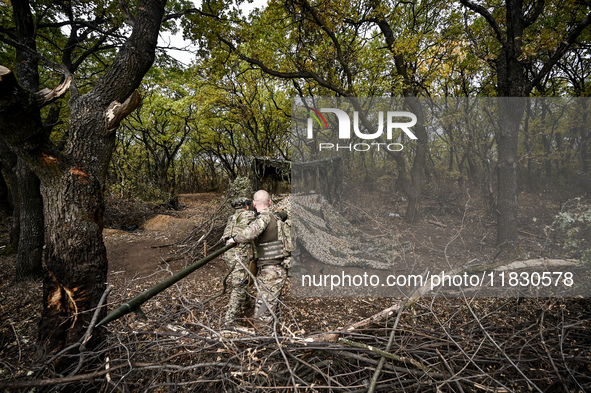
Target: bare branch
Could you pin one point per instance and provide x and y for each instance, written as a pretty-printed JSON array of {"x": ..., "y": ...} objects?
[
  {"x": 117, "y": 111},
  {"x": 47, "y": 95}
]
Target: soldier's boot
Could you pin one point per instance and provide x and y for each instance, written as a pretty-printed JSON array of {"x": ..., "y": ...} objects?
[
  {"x": 230, "y": 317},
  {"x": 261, "y": 310}
]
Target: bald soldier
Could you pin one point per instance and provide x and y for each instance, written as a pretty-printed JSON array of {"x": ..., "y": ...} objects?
[{"x": 270, "y": 257}]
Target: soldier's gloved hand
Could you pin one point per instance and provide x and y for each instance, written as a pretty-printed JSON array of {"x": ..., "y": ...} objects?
[{"x": 231, "y": 241}]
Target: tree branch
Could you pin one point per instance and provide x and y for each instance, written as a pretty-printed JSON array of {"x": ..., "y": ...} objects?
[
  {"x": 560, "y": 51},
  {"x": 117, "y": 111},
  {"x": 285, "y": 75},
  {"x": 488, "y": 17},
  {"x": 533, "y": 15},
  {"x": 21, "y": 126},
  {"x": 189, "y": 11},
  {"x": 135, "y": 57},
  {"x": 53, "y": 65},
  {"x": 335, "y": 42},
  {"x": 47, "y": 95},
  {"x": 125, "y": 11}
]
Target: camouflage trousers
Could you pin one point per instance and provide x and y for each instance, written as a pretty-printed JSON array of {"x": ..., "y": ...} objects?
[
  {"x": 239, "y": 279},
  {"x": 271, "y": 279}
]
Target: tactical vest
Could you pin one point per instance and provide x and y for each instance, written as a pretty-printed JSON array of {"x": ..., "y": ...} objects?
[{"x": 269, "y": 248}]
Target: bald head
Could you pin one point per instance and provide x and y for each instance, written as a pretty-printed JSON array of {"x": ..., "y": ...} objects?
[{"x": 261, "y": 200}]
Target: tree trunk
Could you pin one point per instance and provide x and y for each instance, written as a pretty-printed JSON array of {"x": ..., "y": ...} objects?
[
  {"x": 75, "y": 258},
  {"x": 5, "y": 207},
  {"x": 585, "y": 135},
  {"x": 418, "y": 165},
  {"x": 9, "y": 160},
  {"x": 161, "y": 173},
  {"x": 511, "y": 83},
  {"x": 510, "y": 112},
  {"x": 72, "y": 182},
  {"x": 412, "y": 187},
  {"x": 30, "y": 245}
]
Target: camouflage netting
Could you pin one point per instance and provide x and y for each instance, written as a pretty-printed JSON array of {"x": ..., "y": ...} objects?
[
  {"x": 282, "y": 203},
  {"x": 241, "y": 187},
  {"x": 323, "y": 232}
]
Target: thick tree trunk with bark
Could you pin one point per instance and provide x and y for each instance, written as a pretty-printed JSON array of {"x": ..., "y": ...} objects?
[
  {"x": 75, "y": 257},
  {"x": 30, "y": 245},
  {"x": 72, "y": 182}
]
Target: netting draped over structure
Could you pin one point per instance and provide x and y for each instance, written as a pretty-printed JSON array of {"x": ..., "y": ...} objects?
[{"x": 329, "y": 238}]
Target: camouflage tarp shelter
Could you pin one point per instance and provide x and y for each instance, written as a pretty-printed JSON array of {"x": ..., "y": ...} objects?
[{"x": 270, "y": 172}]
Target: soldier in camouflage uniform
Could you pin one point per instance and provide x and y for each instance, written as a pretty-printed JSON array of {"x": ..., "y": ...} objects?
[
  {"x": 272, "y": 271},
  {"x": 238, "y": 258}
]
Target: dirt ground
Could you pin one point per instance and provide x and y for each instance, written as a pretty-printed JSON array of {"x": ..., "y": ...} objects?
[{"x": 454, "y": 228}]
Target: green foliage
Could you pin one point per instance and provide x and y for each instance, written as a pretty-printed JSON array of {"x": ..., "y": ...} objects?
[
  {"x": 150, "y": 139},
  {"x": 573, "y": 224},
  {"x": 441, "y": 49},
  {"x": 241, "y": 187}
]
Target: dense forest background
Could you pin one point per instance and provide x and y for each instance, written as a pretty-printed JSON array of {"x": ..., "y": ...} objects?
[
  {"x": 95, "y": 111},
  {"x": 200, "y": 124}
]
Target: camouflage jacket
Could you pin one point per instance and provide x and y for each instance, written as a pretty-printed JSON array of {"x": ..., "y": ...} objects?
[
  {"x": 237, "y": 222},
  {"x": 255, "y": 228}
]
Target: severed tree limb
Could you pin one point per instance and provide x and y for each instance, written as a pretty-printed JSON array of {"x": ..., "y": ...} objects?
[
  {"x": 439, "y": 224},
  {"x": 413, "y": 296},
  {"x": 43, "y": 97},
  {"x": 452, "y": 373},
  {"x": 117, "y": 111},
  {"x": 376, "y": 375},
  {"x": 390, "y": 311},
  {"x": 91, "y": 326},
  {"x": 47, "y": 96},
  {"x": 58, "y": 381},
  {"x": 92, "y": 376},
  {"x": 401, "y": 359},
  {"x": 333, "y": 337}
]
